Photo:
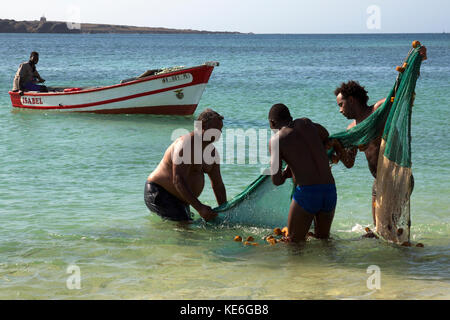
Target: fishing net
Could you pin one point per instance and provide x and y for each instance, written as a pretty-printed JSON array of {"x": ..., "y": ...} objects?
[
  {"x": 391, "y": 121},
  {"x": 263, "y": 204}
]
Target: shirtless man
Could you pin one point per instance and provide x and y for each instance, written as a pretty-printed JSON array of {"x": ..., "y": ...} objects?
[
  {"x": 178, "y": 180},
  {"x": 301, "y": 144},
  {"x": 352, "y": 99}
]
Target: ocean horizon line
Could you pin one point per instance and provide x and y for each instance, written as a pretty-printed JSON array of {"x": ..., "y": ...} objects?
[{"x": 232, "y": 33}]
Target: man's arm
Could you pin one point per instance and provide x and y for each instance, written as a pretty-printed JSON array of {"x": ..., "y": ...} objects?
[
  {"x": 323, "y": 133},
  {"x": 278, "y": 176},
  {"x": 38, "y": 76},
  {"x": 378, "y": 104},
  {"x": 217, "y": 184},
  {"x": 180, "y": 172},
  {"x": 346, "y": 155}
]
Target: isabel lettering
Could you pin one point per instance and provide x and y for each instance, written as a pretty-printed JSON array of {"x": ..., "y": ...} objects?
[{"x": 32, "y": 100}]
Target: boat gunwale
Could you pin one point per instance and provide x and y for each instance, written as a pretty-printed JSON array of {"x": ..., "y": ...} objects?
[{"x": 132, "y": 82}]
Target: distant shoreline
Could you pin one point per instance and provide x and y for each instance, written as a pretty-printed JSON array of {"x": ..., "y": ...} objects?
[
  {"x": 60, "y": 27},
  {"x": 44, "y": 26}
]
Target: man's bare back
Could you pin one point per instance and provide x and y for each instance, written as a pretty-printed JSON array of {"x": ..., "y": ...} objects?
[
  {"x": 301, "y": 144},
  {"x": 302, "y": 148}
]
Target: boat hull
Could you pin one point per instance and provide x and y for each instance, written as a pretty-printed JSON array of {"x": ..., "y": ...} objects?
[{"x": 173, "y": 93}]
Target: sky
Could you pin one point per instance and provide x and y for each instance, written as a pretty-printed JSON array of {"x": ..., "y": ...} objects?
[{"x": 257, "y": 16}]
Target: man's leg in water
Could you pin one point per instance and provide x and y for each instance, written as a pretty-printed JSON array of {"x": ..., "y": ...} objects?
[
  {"x": 374, "y": 201},
  {"x": 322, "y": 224},
  {"x": 299, "y": 222}
]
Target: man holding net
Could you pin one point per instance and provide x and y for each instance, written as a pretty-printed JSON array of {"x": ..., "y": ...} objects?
[
  {"x": 352, "y": 99},
  {"x": 301, "y": 144},
  {"x": 383, "y": 126},
  {"x": 178, "y": 180}
]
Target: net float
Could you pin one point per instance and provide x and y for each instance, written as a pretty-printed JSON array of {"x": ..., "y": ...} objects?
[{"x": 277, "y": 231}]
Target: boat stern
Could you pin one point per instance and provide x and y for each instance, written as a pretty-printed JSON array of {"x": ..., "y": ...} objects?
[{"x": 15, "y": 99}]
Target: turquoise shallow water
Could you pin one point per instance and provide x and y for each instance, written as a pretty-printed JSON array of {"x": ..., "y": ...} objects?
[{"x": 72, "y": 184}]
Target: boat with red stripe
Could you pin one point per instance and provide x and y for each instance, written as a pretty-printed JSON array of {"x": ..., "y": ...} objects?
[{"x": 171, "y": 91}]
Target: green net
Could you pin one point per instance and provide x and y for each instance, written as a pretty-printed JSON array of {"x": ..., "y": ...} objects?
[
  {"x": 265, "y": 205},
  {"x": 392, "y": 119},
  {"x": 261, "y": 204}
]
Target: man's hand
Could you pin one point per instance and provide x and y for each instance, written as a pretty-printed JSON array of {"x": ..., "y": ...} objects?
[
  {"x": 207, "y": 213},
  {"x": 287, "y": 173},
  {"x": 329, "y": 144},
  {"x": 423, "y": 52},
  {"x": 345, "y": 155},
  {"x": 363, "y": 147},
  {"x": 41, "y": 80},
  {"x": 335, "y": 143}
]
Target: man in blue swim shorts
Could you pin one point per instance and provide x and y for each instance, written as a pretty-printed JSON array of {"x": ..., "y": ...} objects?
[{"x": 300, "y": 143}]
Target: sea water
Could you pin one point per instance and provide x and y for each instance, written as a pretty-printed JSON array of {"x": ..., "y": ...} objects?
[{"x": 73, "y": 223}]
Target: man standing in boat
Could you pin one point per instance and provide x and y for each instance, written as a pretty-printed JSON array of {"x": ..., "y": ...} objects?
[
  {"x": 178, "y": 180},
  {"x": 301, "y": 144},
  {"x": 27, "y": 76}
]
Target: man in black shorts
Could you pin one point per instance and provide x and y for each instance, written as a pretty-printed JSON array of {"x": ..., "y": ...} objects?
[{"x": 178, "y": 180}]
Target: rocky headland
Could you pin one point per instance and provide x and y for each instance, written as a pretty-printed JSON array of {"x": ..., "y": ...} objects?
[{"x": 44, "y": 26}]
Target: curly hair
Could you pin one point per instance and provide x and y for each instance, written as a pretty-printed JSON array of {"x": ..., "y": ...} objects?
[{"x": 354, "y": 89}]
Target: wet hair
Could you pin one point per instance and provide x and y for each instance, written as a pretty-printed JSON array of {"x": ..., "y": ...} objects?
[
  {"x": 207, "y": 115},
  {"x": 34, "y": 53},
  {"x": 353, "y": 89},
  {"x": 279, "y": 112}
]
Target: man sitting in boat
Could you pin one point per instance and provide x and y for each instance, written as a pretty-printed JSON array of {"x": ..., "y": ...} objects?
[
  {"x": 27, "y": 76},
  {"x": 178, "y": 180}
]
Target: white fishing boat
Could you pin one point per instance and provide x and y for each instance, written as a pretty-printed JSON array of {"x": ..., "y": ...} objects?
[{"x": 174, "y": 91}]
